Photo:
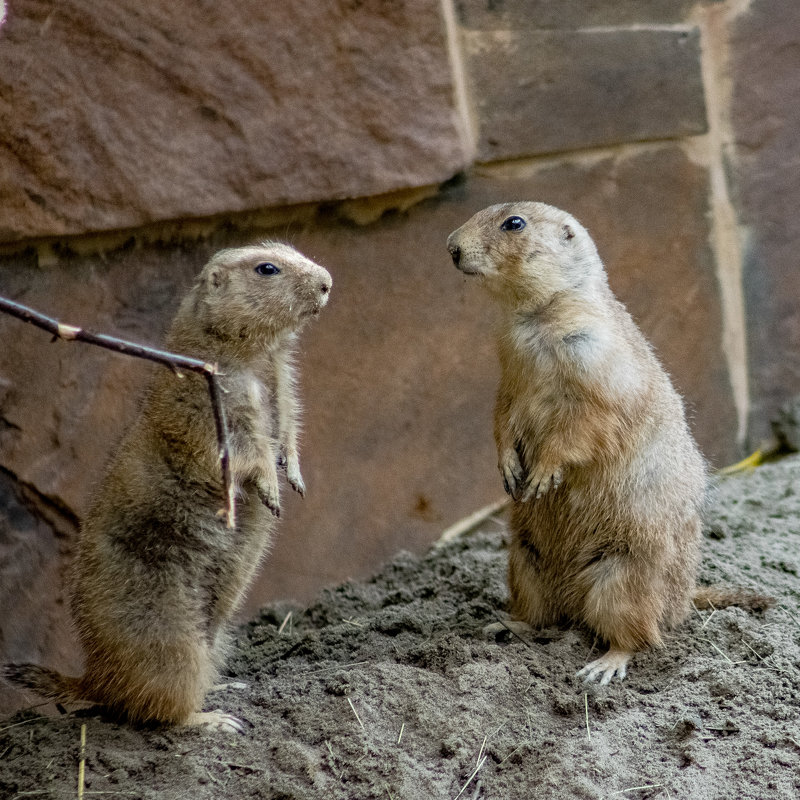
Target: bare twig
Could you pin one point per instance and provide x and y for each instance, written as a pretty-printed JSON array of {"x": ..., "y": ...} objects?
[
  {"x": 338, "y": 773},
  {"x": 82, "y": 764},
  {"x": 708, "y": 619},
  {"x": 730, "y": 661},
  {"x": 482, "y": 756},
  {"x": 471, "y": 522},
  {"x": 334, "y": 668},
  {"x": 24, "y": 722},
  {"x": 174, "y": 360},
  {"x": 586, "y": 710},
  {"x": 285, "y": 622},
  {"x": 356, "y": 713}
]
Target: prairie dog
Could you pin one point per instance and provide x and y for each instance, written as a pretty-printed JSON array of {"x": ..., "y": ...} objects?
[
  {"x": 157, "y": 573},
  {"x": 592, "y": 440}
]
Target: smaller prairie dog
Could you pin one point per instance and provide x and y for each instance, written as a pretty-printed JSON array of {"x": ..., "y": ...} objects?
[
  {"x": 157, "y": 574},
  {"x": 592, "y": 441}
]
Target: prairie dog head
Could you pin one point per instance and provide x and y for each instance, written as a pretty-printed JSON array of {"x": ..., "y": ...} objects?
[
  {"x": 526, "y": 252},
  {"x": 259, "y": 291}
]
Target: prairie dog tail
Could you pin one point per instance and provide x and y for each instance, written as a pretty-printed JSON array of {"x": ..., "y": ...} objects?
[
  {"x": 721, "y": 596},
  {"x": 46, "y": 682}
]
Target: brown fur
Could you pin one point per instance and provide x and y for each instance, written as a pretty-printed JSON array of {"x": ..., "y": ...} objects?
[
  {"x": 592, "y": 439},
  {"x": 157, "y": 574}
]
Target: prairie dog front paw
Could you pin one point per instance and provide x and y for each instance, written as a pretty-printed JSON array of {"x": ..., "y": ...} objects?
[
  {"x": 293, "y": 475},
  {"x": 269, "y": 494},
  {"x": 513, "y": 472},
  {"x": 542, "y": 479}
]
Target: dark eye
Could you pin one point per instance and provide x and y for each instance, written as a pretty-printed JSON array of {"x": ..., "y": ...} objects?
[
  {"x": 265, "y": 268},
  {"x": 513, "y": 224}
]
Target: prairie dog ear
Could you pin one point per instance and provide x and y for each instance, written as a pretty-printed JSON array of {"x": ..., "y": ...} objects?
[
  {"x": 567, "y": 233},
  {"x": 218, "y": 278}
]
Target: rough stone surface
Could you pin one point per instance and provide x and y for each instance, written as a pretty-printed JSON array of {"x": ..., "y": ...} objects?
[
  {"x": 545, "y": 14},
  {"x": 766, "y": 53},
  {"x": 113, "y": 115},
  {"x": 35, "y": 624},
  {"x": 554, "y": 91}
]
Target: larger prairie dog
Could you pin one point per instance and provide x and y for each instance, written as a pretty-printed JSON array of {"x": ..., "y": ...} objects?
[
  {"x": 592, "y": 440},
  {"x": 157, "y": 573}
]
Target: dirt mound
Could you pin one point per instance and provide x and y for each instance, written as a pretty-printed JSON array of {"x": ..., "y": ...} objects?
[{"x": 389, "y": 689}]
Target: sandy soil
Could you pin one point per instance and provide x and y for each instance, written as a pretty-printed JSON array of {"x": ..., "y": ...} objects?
[{"x": 389, "y": 689}]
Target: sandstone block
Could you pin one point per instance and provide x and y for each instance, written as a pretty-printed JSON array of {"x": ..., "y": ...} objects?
[
  {"x": 553, "y": 91},
  {"x": 114, "y": 115},
  {"x": 765, "y": 73}
]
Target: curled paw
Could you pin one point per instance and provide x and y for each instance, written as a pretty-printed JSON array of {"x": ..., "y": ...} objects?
[
  {"x": 270, "y": 497},
  {"x": 513, "y": 473},
  {"x": 294, "y": 477},
  {"x": 542, "y": 480}
]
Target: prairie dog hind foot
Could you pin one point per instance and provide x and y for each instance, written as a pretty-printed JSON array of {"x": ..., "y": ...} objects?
[
  {"x": 217, "y": 720},
  {"x": 614, "y": 662},
  {"x": 514, "y": 626}
]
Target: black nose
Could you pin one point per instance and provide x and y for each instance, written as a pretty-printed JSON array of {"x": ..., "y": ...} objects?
[
  {"x": 324, "y": 288},
  {"x": 455, "y": 252}
]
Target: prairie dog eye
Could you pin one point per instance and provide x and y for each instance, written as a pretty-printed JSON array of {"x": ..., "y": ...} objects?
[
  {"x": 266, "y": 268},
  {"x": 514, "y": 223}
]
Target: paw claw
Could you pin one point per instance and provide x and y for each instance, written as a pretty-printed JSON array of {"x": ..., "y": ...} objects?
[
  {"x": 272, "y": 504},
  {"x": 293, "y": 475},
  {"x": 513, "y": 474},
  {"x": 613, "y": 663},
  {"x": 541, "y": 482},
  {"x": 270, "y": 497}
]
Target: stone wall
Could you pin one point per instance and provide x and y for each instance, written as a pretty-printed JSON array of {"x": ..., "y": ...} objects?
[{"x": 134, "y": 143}]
